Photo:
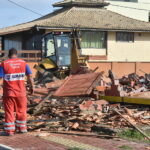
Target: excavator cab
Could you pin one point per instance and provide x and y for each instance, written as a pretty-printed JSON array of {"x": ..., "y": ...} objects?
[
  {"x": 56, "y": 56},
  {"x": 61, "y": 55},
  {"x": 58, "y": 49}
]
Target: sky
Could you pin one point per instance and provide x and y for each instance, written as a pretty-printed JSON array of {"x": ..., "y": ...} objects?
[{"x": 11, "y": 14}]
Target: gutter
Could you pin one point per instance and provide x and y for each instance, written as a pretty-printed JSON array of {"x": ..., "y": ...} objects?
[
  {"x": 85, "y": 29},
  {"x": 70, "y": 29},
  {"x": 53, "y": 28},
  {"x": 15, "y": 31}
]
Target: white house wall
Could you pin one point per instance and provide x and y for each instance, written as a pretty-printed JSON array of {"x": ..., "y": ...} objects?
[
  {"x": 93, "y": 51},
  {"x": 137, "y": 51},
  {"x": 132, "y": 13}
]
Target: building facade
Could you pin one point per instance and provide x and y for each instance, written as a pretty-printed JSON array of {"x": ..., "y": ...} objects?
[
  {"x": 109, "y": 40},
  {"x": 136, "y": 9}
]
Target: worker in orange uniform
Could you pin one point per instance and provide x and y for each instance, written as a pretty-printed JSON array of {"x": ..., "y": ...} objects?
[{"x": 13, "y": 72}]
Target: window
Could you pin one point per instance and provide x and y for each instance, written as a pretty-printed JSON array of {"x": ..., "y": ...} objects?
[
  {"x": 63, "y": 45},
  {"x": 14, "y": 41},
  {"x": 149, "y": 17},
  {"x": 95, "y": 39},
  {"x": 48, "y": 42},
  {"x": 125, "y": 36}
]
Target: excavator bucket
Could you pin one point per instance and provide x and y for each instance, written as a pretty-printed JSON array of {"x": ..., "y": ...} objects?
[{"x": 48, "y": 63}]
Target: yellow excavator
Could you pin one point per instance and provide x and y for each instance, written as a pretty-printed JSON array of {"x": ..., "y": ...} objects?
[{"x": 61, "y": 55}]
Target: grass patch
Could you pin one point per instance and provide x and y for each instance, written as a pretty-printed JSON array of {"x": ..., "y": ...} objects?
[
  {"x": 125, "y": 147},
  {"x": 75, "y": 148},
  {"x": 131, "y": 134}
]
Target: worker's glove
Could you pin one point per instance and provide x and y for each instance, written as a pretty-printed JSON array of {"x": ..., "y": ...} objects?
[{"x": 31, "y": 90}]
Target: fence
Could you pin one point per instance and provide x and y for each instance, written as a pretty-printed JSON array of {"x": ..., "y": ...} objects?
[
  {"x": 27, "y": 55},
  {"x": 122, "y": 68}
]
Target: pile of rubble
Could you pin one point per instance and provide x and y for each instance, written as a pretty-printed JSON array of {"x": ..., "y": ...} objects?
[
  {"x": 73, "y": 104},
  {"x": 131, "y": 85},
  {"x": 136, "y": 115},
  {"x": 82, "y": 114}
]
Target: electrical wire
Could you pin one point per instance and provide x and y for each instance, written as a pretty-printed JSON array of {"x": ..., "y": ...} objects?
[
  {"x": 24, "y": 7},
  {"x": 42, "y": 15}
]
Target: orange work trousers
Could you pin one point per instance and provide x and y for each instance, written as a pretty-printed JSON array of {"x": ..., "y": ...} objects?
[{"x": 15, "y": 114}]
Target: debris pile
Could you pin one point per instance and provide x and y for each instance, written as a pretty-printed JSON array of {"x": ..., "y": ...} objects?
[
  {"x": 82, "y": 114},
  {"x": 130, "y": 85},
  {"x": 62, "y": 107},
  {"x": 135, "y": 114},
  {"x": 73, "y": 104},
  {"x": 60, "y": 114}
]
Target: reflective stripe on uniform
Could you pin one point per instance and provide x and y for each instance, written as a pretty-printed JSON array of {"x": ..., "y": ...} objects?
[
  {"x": 14, "y": 76},
  {"x": 23, "y": 122},
  {"x": 9, "y": 124},
  {"x": 18, "y": 125},
  {"x": 9, "y": 128}
]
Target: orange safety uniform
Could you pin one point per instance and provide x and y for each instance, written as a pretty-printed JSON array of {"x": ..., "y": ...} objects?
[{"x": 13, "y": 72}]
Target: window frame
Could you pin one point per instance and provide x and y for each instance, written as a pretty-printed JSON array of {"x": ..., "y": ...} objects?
[
  {"x": 122, "y": 40},
  {"x": 105, "y": 39}
]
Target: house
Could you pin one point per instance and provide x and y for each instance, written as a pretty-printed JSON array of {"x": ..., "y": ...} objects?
[
  {"x": 136, "y": 9},
  {"x": 112, "y": 41}
]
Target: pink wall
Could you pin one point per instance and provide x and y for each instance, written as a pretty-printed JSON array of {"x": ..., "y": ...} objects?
[{"x": 121, "y": 68}]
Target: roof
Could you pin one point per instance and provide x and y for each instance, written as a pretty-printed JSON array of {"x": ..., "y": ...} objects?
[
  {"x": 83, "y": 18},
  {"x": 78, "y": 85},
  {"x": 85, "y": 3}
]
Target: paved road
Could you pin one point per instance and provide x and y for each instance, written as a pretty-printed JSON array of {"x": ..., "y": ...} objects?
[{"x": 62, "y": 141}]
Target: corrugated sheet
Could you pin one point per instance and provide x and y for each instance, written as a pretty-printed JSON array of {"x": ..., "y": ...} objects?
[{"x": 78, "y": 85}]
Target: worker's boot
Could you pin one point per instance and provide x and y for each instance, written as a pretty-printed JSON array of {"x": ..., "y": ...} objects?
[
  {"x": 6, "y": 134},
  {"x": 23, "y": 132}
]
